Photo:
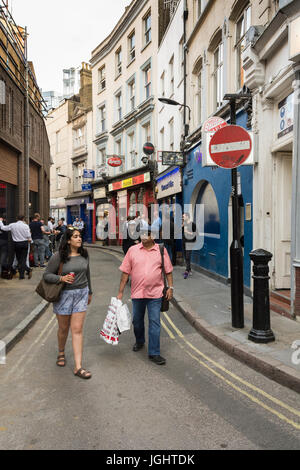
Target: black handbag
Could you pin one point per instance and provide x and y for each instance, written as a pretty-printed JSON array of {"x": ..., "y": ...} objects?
[
  {"x": 165, "y": 304},
  {"x": 50, "y": 292}
]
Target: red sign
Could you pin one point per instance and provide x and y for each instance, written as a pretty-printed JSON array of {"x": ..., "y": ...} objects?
[
  {"x": 213, "y": 124},
  {"x": 114, "y": 161},
  {"x": 230, "y": 146}
]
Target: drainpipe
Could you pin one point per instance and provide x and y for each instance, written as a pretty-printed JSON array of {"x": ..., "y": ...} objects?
[
  {"x": 26, "y": 136},
  {"x": 185, "y": 17}
]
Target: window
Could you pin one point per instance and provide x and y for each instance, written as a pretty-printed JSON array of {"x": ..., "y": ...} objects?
[
  {"x": 11, "y": 110},
  {"x": 101, "y": 79},
  {"x": 78, "y": 176},
  {"x": 242, "y": 27},
  {"x": 102, "y": 119},
  {"x": 58, "y": 181},
  {"x": 171, "y": 67},
  {"x": 118, "y": 146},
  {"x": 198, "y": 8},
  {"x": 131, "y": 150},
  {"x": 162, "y": 85},
  {"x": 162, "y": 139},
  {"x": 218, "y": 75},
  {"x": 119, "y": 106},
  {"x": 101, "y": 157},
  {"x": 147, "y": 76},
  {"x": 131, "y": 47},
  {"x": 119, "y": 62},
  {"x": 146, "y": 133},
  {"x": 181, "y": 58},
  {"x": 171, "y": 132},
  {"x": 57, "y": 142},
  {"x": 131, "y": 90},
  {"x": 198, "y": 98},
  {"x": 79, "y": 138},
  {"x": 147, "y": 28}
]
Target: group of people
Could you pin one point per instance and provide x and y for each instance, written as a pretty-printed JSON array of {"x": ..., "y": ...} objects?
[{"x": 24, "y": 246}]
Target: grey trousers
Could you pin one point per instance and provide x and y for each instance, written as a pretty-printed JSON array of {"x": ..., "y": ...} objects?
[{"x": 39, "y": 251}]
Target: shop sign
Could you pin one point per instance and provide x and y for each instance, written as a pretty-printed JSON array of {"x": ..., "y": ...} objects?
[
  {"x": 90, "y": 207},
  {"x": 169, "y": 184},
  {"x": 172, "y": 158},
  {"x": 99, "y": 193},
  {"x": 89, "y": 174},
  {"x": 114, "y": 161},
  {"x": 86, "y": 187},
  {"x": 135, "y": 180},
  {"x": 286, "y": 118}
]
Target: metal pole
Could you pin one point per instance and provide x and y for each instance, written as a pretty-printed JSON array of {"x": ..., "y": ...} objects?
[
  {"x": 236, "y": 253},
  {"x": 26, "y": 136}
]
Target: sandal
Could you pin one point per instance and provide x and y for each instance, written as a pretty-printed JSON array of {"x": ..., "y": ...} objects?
[
  {"x": 83, "y": 374},
  {"x": 61, "y": 360}
]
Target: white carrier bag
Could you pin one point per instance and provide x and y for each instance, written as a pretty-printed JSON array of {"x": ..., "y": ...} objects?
[{"x": 118, "y": 319}]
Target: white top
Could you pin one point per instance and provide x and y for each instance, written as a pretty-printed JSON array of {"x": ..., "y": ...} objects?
[
  {"x": 50, "y": 225},
  {"x": 20, "y": 231}
]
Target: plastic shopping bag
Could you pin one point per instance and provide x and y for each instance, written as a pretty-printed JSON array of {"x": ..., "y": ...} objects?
[
  {"x": 123, "y": 318},
  {"x": 110, "y": 332}
]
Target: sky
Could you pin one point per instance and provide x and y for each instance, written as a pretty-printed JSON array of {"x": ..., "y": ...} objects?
[{"x": 63, "y": 33}]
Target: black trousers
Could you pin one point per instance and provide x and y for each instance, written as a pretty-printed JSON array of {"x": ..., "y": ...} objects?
[
  {"x": 21, "y": 250},
  {"x": 187, "y": 256}
]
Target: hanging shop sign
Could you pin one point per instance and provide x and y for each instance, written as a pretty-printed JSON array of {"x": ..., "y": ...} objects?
[
  {"x": 90, "y": 206},
  {"x": 169, "y": 184},
  {"x": 172, "y": 158},
  {"x": 135, "y": 180},
  {"x": 114, "y": 161},
  {"x": 286, "y": 115},
  {"x": 99, "y": 193}
]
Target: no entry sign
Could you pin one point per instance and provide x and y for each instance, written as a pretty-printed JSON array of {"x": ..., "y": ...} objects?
[{"x": 230, "y": 146}]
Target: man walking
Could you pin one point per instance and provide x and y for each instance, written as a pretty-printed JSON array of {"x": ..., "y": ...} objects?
[
  {"x": 143, "y": 263},
  {"x": 37, "y": 231},
  {"x": 21, "y": 238},
  {"x": 188, "y": 237}
]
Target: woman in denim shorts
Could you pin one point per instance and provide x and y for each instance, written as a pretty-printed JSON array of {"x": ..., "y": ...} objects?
[{"x": 71, "y": 308}]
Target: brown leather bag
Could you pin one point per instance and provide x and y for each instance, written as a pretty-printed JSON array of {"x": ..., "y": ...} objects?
[
  {"x": 50, "y": 292},
  {"x": 165, "y": 302}
]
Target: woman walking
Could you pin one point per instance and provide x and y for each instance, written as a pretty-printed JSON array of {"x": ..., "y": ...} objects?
[{"x": 71, "y": 308}]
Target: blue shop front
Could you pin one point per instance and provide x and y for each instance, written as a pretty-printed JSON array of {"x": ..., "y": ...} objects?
[
  {"x": 211, "y": 186},
  {"x": 80, "y": 207}
]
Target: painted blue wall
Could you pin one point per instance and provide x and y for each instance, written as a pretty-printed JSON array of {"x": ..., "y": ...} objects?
[{"x": 214, "y": 254}]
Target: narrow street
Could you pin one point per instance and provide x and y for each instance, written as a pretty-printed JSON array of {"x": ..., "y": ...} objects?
[{"x": 201, "y": 399}]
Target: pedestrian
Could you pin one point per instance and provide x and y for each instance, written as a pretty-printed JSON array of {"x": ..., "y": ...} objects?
[
  {"x": 3, "y": 250},
  {"x": 71, "y": 308},
  {"x": 59, "y": 231},
  {"x": 188, "y": 237},
  {"x": 144, "y": 264},
  {"x": 46, "y": 238},
  {"x": 37, "y": 231},
  {"x": 21, "y": 238},
  {"x": 131, "y": 236},
  {"x": 168, "y": 236},
  {"x": 77, "y": 223}
]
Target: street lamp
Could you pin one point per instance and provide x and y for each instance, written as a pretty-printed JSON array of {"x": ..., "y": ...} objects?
[{"x": 175, "y": 103}]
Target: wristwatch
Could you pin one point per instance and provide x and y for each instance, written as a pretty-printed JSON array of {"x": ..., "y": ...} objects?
[{"x": 171, "y": 288}]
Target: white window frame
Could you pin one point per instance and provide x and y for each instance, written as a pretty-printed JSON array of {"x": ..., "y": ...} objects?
[
  {"x": 242, "y": 26},
  {"x": 131, "y": 48},
  {"x": 147, "y": 84},
  {"x": 163, "y": 84},
  {"x": 171, "y": 134},
  {"x": 172, "y": 83},
  {"x": 147, "y": 29},
  {"x": 131, "y": 94},
  {"x": 119, "y": 62},
  {"x": 118, "y": 98},
  {"x": 101, "y": 79},
  {"x": 102, "y": 118},
  {"x": 218, "y": 75}
]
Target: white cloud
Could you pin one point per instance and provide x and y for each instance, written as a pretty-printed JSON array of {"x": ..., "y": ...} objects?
[{"x": 63, "y": 33}]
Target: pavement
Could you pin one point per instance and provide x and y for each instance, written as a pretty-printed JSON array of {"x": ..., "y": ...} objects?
[{"x": 203, "y": 301}]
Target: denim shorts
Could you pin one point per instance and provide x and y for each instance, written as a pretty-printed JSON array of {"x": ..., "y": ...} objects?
[{"x": 72, "y": 301}]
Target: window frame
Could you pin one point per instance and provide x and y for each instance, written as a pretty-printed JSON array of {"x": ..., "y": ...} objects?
[
  {"x": 245, "y": 19},
  {"x": 218, "y": 74},
  {"x": 101, "y": 79},
  {"x": 118, "y": 59},
  {"x": 147, "y": 32},
  {"x": 131, "y": 50}
]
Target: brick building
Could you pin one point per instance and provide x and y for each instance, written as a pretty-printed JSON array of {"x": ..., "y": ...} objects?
[{"x": 24, "y": 145}]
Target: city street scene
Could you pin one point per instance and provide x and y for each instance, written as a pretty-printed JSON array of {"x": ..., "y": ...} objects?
[{"x": 150, "y": 228}]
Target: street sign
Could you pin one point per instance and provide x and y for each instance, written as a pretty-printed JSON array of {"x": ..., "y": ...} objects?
[
  {"x": 148, "y": 148},
  {"x": 230, "y": 146},
  {"x": 86, "y": 187},
  {"x": 114, "y": 161},
  {"x": 172, "y": 158},
  {"x": 90, "y": 206},
  {"x": 213, "y": 124},
  {"x": 90, "y": 174}
]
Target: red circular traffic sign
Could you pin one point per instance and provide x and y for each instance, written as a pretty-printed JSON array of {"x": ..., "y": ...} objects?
[
  {"x": 114, "y": 161},
  {"x": 230, "y": 146}
]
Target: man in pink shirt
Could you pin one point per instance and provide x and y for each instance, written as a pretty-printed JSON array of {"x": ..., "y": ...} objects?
[{"x": 144, "y": 264}]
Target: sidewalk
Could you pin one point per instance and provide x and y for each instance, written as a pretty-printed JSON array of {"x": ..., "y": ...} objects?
[
  {"x": 20, "y": 307},
  {"x": 206, "y": 304}
]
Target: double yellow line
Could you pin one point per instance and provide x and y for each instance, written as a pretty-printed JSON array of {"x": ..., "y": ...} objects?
[{"x": 187, "y": 347}]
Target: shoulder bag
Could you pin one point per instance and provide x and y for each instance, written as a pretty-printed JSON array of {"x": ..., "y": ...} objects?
[
  {"x": 50, "y": 292},
  {"x": 165, "y": 303}
]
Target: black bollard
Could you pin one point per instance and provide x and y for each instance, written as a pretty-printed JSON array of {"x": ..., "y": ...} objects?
[{"x": 261, "y": 331}]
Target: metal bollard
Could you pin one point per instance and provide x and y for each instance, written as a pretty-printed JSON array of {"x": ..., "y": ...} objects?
[{"x": 261, "y": 331}]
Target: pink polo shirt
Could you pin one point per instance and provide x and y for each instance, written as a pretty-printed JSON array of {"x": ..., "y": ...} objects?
[{"x": 144, "y": 267}]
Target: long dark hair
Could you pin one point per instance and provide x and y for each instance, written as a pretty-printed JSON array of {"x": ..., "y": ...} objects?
[{"x": 64, "y": 247}]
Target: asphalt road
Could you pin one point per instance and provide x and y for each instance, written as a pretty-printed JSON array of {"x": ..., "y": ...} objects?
[{"x": 201, "y": 399}]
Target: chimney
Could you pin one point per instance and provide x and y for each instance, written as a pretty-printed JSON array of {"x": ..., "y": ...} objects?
[{"x": 85, "y": 85}]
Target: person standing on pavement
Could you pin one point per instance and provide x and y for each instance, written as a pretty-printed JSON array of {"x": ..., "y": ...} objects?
[
  {"x": 144, "y": 264},
  {"x": 37, "y": 231},
  {"x": 46, "y": 239},
  {"x": 21, "y": 238},
  {"x": 188, "y": 237},
  {"x": 71, "y": 308},
  {"x": 59, "y": 231},
  {"x": 3, "y": 249}
]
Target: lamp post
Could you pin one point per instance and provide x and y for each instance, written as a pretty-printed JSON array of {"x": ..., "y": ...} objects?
[{"x": 176, "y": 103}]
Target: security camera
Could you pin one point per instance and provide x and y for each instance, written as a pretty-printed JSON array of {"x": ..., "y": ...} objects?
[{"x": 145, "y": 160}]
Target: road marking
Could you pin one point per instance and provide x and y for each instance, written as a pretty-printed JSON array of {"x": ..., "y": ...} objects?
[
  {"x": 244, "y": 382},
  {"x": 23, "y": 357}
]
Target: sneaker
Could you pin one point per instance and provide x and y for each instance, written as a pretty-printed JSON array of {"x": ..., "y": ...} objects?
[
  {"x": 190, "y": 274},
  {"x": 185, "y": 275},
  {"x": 159, "y": 360},
  {"x": 137, "y": 347}
]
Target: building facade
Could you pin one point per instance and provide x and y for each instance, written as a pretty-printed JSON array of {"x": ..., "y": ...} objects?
[{"x": 24, "y": 145}]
